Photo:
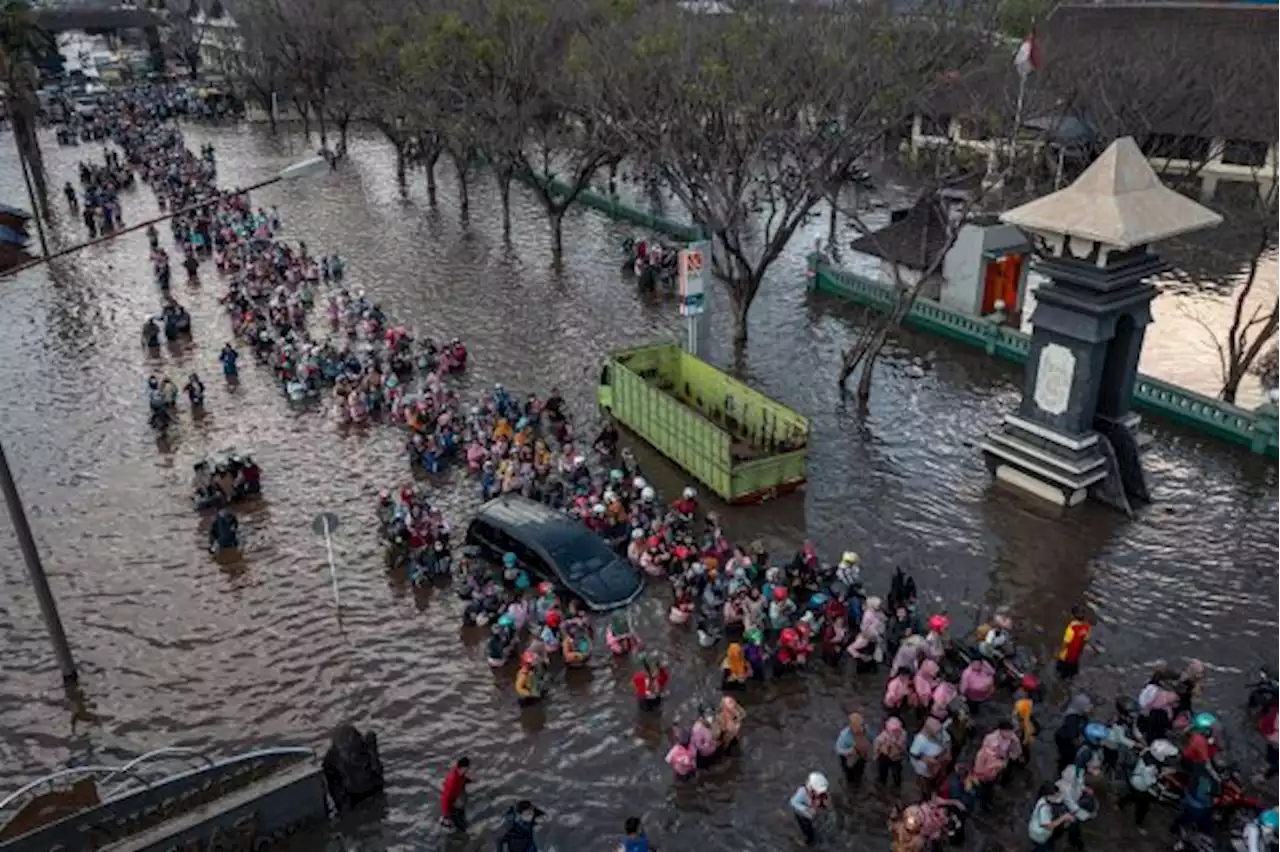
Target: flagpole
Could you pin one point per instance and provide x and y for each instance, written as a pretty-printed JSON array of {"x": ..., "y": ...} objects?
[{"x": 1017, "y": 116}]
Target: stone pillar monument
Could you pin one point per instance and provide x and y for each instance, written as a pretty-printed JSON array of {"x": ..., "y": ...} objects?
[{"x": 1073, "y": 434}]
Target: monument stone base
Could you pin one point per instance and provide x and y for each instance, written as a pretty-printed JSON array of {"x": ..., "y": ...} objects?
[{"x": 1043, "y": 462}]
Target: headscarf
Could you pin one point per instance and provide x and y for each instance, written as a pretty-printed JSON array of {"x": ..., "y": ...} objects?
[{"x": 1080, "y": 705}]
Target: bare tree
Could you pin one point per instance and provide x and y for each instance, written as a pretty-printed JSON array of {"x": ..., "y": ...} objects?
[
  {"x": 753, "y": 117},
  {"x": 184, "y": 34}
]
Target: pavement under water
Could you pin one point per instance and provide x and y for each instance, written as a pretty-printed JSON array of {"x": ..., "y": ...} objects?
[{"x": 177, "y": 648}]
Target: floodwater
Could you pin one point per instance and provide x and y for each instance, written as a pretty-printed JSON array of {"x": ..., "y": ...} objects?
[{"x": 175, "y": 648}]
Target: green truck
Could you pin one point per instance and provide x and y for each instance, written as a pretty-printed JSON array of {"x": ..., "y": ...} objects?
[{"x": 736, "y": 441}]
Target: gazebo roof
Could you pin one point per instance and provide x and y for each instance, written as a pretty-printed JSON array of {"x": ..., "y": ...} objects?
[{"x": 1118, "y": 201}]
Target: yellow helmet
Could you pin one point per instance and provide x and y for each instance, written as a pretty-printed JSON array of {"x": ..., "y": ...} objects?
[{"x": 849, "y": 558}]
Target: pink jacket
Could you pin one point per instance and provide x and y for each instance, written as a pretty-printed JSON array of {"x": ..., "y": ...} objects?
[
  {"x": 897, "y": 690},
  {"x": 978, "y": 681},
  {"x": 943, "y": 694},
  {"x": 926, "y": 680}
]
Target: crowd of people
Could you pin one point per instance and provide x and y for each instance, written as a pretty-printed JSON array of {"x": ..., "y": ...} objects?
[{"x": 960, "y": 714}]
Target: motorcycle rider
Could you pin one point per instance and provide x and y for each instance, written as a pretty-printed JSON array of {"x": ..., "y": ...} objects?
[
  {"x": 1202, "y": 745},
  {"x": 1156, "y": 763},
  {"x": 1263, "y": 833}
]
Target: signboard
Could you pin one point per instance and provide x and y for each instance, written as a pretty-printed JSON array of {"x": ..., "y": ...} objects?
[{"x": 695, "y": 274}]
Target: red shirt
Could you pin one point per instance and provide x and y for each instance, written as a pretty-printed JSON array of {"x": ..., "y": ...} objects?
[
  {"x": 455, "y": 785},
  {"x": 1077, "y": 633},
  {"x": 1199, "y": 750}
]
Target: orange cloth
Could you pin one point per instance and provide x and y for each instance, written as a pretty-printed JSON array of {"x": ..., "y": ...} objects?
[{"x": 735, "y": 663}]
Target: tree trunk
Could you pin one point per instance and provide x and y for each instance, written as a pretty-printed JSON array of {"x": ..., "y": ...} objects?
[
  {"x": 869, "y": 370},
  {"x": 1231, "y": 386},
  {"x": 324, "y": 128},
  {"x": 557, "y": 233},
  {"x": 401, "y": 178},
  {"x": 343, "y": 127},
  {"x": 504, "y": 190},
  {"x": 831, "y": 225},
  {"x": 613, "y": 178},
  {"x": 738, "y": 290},
  {"x": 304, "y": 113},
  {"x": 464, "y": 191},
  {"x": 433, "y": 157}
]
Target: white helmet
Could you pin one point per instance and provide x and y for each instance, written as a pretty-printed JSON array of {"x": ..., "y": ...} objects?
[
  {"x": 637, "y": 534},
  {"x": 497, "y": 386},
  {"x": 646, "y": 494},
  {"x": 579, "y": 461},
  {"x": 817, "y": 783},
  {"x": 639, "y": 482},
  {"x": 690, "y": 493},
  {"x": 609, "y": 496},
  {"x": 597, "y": 509}
]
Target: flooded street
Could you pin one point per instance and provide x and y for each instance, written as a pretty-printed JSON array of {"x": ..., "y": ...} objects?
[{"x": 175, "y": 649}]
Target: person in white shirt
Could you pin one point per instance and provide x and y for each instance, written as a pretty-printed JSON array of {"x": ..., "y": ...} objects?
[{"x": 1049, "y": 816}]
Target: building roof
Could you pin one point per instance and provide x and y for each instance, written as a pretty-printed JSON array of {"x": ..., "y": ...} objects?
[
  {"x": 57, "y": 19},
  {"x": 1117, "y": 201},
  {"x": 913, "y": 239},
  {"x": 14, "y": 211}
]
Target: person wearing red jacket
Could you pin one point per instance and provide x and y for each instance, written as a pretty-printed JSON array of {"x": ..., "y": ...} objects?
[{"x": 453, "y": 799}]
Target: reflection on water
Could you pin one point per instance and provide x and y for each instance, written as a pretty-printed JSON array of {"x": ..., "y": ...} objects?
[{"x": 174, "y": 647}]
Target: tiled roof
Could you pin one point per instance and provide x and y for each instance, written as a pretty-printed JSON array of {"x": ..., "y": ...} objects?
[{"x": 913, "y": 240}]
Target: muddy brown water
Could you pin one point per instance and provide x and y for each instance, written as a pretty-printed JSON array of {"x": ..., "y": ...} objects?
[{"x": 176, "y": 648}]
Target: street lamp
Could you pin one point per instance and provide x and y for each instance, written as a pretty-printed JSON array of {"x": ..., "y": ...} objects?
[{"x": 17, "y": 514}]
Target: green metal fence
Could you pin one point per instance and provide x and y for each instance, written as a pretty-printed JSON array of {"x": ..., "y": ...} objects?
[
  {"x": 615, "y": 208},
  {"x": 1256, "y": 429}
]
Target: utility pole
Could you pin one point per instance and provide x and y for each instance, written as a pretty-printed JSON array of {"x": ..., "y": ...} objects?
[{"x": 48, "y": 607}]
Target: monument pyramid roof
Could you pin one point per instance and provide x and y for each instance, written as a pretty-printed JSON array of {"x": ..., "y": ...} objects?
[{"x": 1118, "y": 201}]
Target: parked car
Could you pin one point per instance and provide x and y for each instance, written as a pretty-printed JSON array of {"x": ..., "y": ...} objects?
[{"x": 552, "y": 546}]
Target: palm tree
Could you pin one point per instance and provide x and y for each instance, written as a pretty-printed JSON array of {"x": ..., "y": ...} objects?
[{"x": 22, "y": 41}]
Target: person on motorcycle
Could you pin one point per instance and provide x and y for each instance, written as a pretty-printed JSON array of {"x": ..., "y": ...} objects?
[
  {"x": 1263, "y": 833},
  {"x": 997, "y": 642},
  {"x": 1070, "y": 733},
  {"x": 1071, "y": 783},
  {"x": 1195, "y": 809},
  {"x": 1202, "y": 745},
  {"x": 687, "y": 506},
  {"x": 1155, "y": 764},
  {"x": 1122, "y": 737}
]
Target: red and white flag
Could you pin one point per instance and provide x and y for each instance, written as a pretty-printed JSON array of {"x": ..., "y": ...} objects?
[{"x": 1027, "y": 59}]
